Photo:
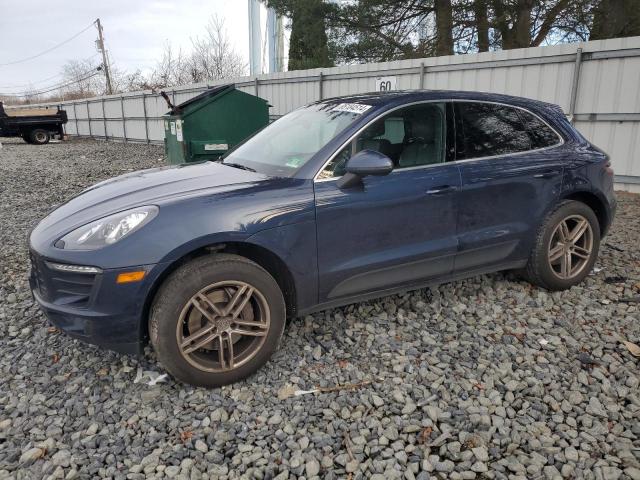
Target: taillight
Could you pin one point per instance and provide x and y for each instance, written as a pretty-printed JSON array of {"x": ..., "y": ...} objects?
[{"x": 608, "y": 168}]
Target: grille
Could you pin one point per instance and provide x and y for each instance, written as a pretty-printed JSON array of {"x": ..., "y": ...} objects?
[{"x": 61, "y": 288}]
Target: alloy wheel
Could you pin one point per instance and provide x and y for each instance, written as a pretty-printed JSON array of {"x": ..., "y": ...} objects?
[
  {"x": 223, "y": 326},
  {"x": 41, "y": 137},
  {"x": 570, "y": 247}
]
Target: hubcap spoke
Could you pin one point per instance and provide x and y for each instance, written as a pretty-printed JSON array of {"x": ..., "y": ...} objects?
[
  {"x": 201, "y": 302},
  {"x": 581, "y": 252},
  {"x": 563, "y": 231},
  {"x": 186, "y": 348},
  {"x": 241, "y": 301},
  {"x": 230, "y": 349},
  {"x": 221, "y": 352},
  {"x": 556, "y": 252},
  {"x": 566, "y": 264},
  {"x": 578, "y": 231},
  {"x": 234, "y": 300},
  {"x": 250, "y": 333}
]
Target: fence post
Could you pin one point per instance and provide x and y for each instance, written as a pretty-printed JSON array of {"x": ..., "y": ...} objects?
[
  {"x": 89, "y": 120},
  {"x": 422, "y": 72},
  {"x": 75, "y": 119},
  {"x": 574, "y": 84},
  {"x": 320, "y": 85},
  {"x": 255, "y": 85},
  {"x": 104, "y": 122},
  {"x": 124, "y": 119},
  {"x": 146, "y": 120}
]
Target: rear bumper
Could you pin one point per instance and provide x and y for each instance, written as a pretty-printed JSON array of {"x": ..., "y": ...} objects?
[
  {"x": 612, "y": 207},
  {"x": 110, "y": 315}
]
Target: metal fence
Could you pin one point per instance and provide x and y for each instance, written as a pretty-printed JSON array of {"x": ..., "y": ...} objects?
[{"x": 596, "y": 83}]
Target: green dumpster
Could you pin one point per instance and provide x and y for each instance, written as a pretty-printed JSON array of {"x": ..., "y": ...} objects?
[{"x": 206, "y": 126}]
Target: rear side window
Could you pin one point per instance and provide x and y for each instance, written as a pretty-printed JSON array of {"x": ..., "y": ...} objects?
[
  {"x": 488, "y": 129},
  {"x": 541, "y": 135}
]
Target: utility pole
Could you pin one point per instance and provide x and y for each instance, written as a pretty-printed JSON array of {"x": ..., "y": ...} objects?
[{"x": 105, "y": 63}]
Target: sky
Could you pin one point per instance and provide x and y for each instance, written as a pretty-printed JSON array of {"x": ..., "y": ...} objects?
[{"x": 135, "y": 32}]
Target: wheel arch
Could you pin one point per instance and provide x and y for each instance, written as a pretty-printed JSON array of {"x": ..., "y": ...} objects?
[
  {"x": 595, "y": 203},
  {"x": 264, "y": 257}
]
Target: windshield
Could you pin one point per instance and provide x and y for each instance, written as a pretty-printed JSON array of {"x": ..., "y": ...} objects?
[{"x": 288, "y": 143}]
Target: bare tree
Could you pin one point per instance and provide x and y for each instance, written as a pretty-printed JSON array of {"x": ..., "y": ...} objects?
[
  {"x": 170, "y": 70},
  {"x": 213, "y": 57},
  {"x": 81, "y": 79}
]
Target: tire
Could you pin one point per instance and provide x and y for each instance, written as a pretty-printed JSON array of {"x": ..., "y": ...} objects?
[
  {"x": 39, "y": 136},
  {"x": 194, "y": 298},
  {"x": 25, "y": 137},
  {"x": 549, "y": 268}
]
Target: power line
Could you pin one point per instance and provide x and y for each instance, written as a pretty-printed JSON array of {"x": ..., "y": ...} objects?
[
  {"x": 30, "y": 84},
  {"x": 49, "y": 49},
  {"x": 52, "y": 88}
]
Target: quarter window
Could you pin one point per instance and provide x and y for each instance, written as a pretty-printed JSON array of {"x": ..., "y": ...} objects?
[
  {"x": 541, "y": 135},
  {"x": 488, "y": 129}
]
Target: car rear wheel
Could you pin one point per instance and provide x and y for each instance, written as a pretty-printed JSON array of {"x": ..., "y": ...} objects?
[
  {"x": 217, "y": 320},
  {"x": 566, "y": 247},
  {"x": 39, "y": 136}
]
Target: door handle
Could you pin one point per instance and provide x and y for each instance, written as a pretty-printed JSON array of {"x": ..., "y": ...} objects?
[
  {"x": 441, "y": 190},
  {"x": 547, "y": 174}
]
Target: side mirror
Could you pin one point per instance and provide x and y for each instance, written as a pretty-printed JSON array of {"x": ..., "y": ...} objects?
[{"x": 362, "y": 164}]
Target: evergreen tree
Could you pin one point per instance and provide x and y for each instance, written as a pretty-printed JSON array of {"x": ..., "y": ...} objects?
[{"x": 308, "y": 45}]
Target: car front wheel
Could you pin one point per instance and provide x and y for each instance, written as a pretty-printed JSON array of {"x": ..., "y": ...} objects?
[
  {"x": 566, "y": 247},
  {"x": 216, "y": 320}
]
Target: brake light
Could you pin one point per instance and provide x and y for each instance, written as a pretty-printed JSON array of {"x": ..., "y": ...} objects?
[{"x": 608, "y": 168}]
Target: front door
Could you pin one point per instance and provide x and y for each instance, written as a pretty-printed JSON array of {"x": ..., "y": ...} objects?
[
  {"x": 511, "y": 175},
  {"x": 394, "y": 230}
]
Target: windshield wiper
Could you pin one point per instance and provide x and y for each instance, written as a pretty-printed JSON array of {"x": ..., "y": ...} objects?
[{"x": 237, "y": 165}]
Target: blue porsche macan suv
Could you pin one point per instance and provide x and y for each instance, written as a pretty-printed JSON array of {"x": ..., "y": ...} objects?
[{"x": 342, "y": 200}]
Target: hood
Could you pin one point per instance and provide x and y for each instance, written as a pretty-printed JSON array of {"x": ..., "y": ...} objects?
[{"x": 148, "y": 187}]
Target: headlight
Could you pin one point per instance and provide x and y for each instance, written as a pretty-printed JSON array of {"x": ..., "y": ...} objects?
[{"x": 107, "y": 230}]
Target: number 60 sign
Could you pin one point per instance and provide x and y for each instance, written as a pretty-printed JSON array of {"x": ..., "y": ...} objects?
[{"x": 384, "y": 84}]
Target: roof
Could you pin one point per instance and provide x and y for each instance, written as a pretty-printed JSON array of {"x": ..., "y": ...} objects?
[{"x": 398, "y": 97}]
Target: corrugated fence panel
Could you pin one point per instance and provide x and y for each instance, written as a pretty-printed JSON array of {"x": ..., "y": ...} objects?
[{"x": 606, "y": 108}]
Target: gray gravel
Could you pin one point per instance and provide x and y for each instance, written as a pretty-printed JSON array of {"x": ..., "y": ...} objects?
[{"x": 483, "y": 378}]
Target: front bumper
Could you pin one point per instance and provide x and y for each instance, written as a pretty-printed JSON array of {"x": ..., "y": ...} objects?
[{"x": 93, "y": 307}]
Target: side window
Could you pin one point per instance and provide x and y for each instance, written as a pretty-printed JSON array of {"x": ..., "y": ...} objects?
[
  {"x": 489, "y": 129},
  {"x": 541, "y": 135},
  {"x": 411, "y": 137}
]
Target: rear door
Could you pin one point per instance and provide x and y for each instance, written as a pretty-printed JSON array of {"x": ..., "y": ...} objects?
[{"x": 511, "y": 166}]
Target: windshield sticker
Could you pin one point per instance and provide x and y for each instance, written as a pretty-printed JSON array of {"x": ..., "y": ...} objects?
[
  {"x": 294, "y": 162},
  {"x": 351, "y": 107}
]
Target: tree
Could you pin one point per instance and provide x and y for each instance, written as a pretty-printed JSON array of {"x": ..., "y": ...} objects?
[
  {"x": 480, "y": 12},
  {"x": 444, "y": 27},
  {"x": 308, "y": 44},
  {"x": 382, "y": 30},
  {"x": 81, "y": 79},
  {"x": 615, "y": 18},
  {"x": 212, "y": 58}
]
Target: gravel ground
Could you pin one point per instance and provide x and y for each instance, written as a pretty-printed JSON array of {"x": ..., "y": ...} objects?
[{"x": 483, "y": 378}]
